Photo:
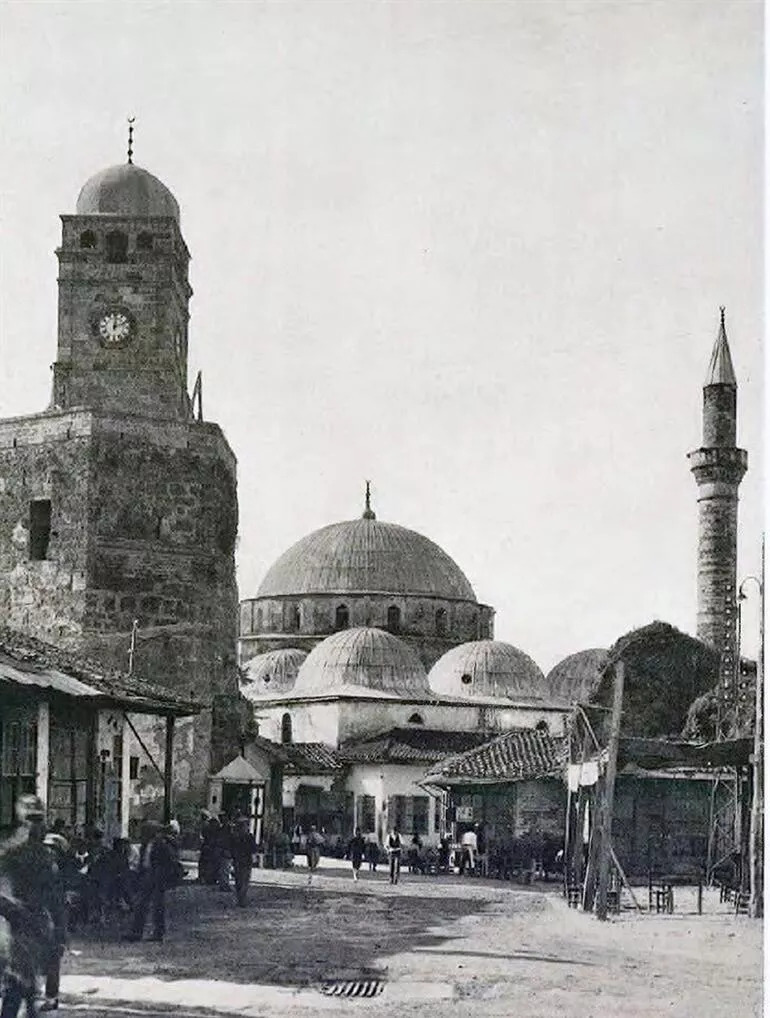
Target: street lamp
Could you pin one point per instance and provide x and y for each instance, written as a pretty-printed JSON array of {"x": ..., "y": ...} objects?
[{"x": 756, "y": 835}]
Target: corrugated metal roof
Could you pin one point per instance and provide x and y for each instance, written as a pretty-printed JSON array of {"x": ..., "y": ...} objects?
[
  {"x": 26, "y": 661},
  {"x": 522, "y": 753}
]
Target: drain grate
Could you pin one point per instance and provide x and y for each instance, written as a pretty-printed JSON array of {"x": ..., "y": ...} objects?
[{"x": 354, "y": 988}]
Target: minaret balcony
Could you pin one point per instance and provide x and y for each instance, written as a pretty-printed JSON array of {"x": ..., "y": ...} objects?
[{"x": 719, "y": 463}]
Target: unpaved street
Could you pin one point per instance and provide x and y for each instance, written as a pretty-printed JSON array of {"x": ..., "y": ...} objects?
[{"x": 479, "y": 947}]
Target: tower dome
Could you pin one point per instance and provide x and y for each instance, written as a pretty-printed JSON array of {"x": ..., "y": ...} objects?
[
  {"x": 364, "y": 658},
  {"x": 273, "y": 672},
  {"x": 366, "y": 556},
  {"x": 126, "y": 190},
  {"x": 486, "y": 668}
]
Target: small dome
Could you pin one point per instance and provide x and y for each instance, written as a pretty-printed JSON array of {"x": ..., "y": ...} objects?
[
  {"x": 365, "y": 657},
  {"x": 486, "y": 668},
  {"x": 577, "y": 677},
  {"x": 126, "y": 190},
  {"x": 366, "y": 556},
  {"x": 273, "y": 672}
]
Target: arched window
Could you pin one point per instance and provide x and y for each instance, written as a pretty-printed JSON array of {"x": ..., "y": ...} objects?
[
  {"x": 441, "y": 622},
  {"x": 144, "y": 242},
  {"x": 293, "y": 617},
  {"x": 258, "y": 619},
  {"x": 116, "y": 247},
  {"x": 416, "y": 719},
  {"x": 286, "y": 728},
  {"x": 341, "y": 617},
  {"x": 88, "y": 239},
  {"x": 466, "y": 679},
  {"x": 541, "y": 726},
  {"x": 394, "y": 618}
]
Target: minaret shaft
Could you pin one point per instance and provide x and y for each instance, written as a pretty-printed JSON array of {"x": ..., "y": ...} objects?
[{"x": 718, "y": 467}]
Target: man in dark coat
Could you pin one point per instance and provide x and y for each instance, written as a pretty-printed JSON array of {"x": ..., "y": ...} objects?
[
  {"x": 157, "y": 873},
  {"x": 32, "y": 903},
  {"x": 243, "y": 847}
]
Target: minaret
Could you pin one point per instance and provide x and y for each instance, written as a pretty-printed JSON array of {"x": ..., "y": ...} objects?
[{"x": 718, "y": 466}]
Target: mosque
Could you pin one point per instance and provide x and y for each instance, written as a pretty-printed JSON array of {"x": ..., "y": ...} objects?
[{"x": 366, "y": 651}]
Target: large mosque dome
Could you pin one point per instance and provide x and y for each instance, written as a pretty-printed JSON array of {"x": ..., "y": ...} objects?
[
  {"x": 366, "y": 659},
  {"x": 366, "y": 556},
  {"x": 487, "y": 668},
  {"x": 126, "y": 190},
  {"x": 364, "y": 574}
]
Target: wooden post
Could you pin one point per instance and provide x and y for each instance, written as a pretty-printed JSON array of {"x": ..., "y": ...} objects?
[
  {"x": 605, "y": 828},
  {"x": 757, "y": 834},
  {"x": 168, "y": 769}
]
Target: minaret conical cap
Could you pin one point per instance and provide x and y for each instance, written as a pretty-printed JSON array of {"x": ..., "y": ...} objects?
[{"x": 721, "y": 370}]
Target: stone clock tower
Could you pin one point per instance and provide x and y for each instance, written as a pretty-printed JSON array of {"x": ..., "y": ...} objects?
[
  {"x": 123, "y": 299},
  {"x": 119, "y": 507}
]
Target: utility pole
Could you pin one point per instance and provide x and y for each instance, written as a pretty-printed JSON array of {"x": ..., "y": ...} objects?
[
  {"x": 757, "y": 834},
  {"x": 605, "y": 830}
]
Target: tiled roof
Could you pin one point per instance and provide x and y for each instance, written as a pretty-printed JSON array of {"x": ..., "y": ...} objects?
[
  {"x": 514, "y": 756},
  {"x": 311, "y": 758},
  {"x": 26, "y": 661},
  {"x": 409, "y": 745}
]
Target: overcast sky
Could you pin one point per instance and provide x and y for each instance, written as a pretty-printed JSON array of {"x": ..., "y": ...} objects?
[{"x": 472, "y": 251}]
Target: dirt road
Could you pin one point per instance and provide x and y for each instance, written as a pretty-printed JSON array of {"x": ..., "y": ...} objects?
[{"x": 480, "y": 948}]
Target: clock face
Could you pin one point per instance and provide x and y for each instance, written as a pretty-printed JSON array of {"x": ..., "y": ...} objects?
[{"x": 114, "y": 328}]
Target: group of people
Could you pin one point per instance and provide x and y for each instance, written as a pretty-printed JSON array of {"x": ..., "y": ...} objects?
[
  {"x": 51, "y": 879},
  {"x": 228, "y": 848}
]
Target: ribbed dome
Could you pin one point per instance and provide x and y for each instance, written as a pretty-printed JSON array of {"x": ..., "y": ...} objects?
[
  {"x": 486, "y": 668},
  {"x": 368, "y": 658},
  {"x": 273, "y": 672},
  {"x": 577, "y": 677},
  {"x": 366, "y": 556},
  {"x": 126, "y": 190}
]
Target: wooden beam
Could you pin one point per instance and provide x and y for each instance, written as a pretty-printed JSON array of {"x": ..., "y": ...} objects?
[
  {"x": 168, "y": 769},
  {"x": 605, "y": 831}
]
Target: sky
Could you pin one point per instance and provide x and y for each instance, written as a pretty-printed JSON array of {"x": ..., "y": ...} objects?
[{"x": 471, "y": 251}]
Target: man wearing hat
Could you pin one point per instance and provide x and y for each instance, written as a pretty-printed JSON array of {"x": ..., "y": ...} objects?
[{"x": 32, "y": 902}]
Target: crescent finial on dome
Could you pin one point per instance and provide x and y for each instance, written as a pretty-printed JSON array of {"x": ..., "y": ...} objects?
[
  {"x": 368, "y": 511},
  {"x": 130, "y": 140}
]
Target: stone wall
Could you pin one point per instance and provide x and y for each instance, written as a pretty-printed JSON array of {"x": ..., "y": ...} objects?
[{"x": 143, "y": 526}]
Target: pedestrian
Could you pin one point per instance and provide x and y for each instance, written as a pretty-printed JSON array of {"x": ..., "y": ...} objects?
[
  {"x": 313, "y": 852},
  {"x": 58, "y": 846},
  {"x": 32, "y": 904},
  {"x": 372, "y": 852},
  {"x": 394, "y": 854},
  {"x": 469, "y": 847},
  {"x": 356, "y": 850},
  {"x": 243, "y": 847},
  {"x": 157, "y": 873},
  {"x": 223, "y": 839}
]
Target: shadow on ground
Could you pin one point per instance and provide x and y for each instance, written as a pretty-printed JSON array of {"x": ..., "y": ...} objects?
[{"x": 284, "y": 936}]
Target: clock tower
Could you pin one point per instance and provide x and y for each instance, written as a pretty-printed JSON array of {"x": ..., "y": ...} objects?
[
  {"x": 123, "y": 299},
  {"x": 119, "y": 507}
]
